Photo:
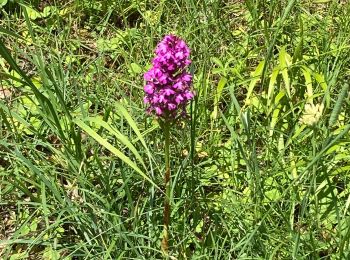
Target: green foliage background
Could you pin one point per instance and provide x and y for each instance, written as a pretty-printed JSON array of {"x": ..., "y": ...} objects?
[{"x": 260, "y": 170}]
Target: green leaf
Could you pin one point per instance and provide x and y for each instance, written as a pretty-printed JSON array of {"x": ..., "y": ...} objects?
[
  {"x": 272, "y": 195},
  {"x": 133, "y": 125},
  {"x": 279, "y": 96},
  {"x": 274, "y": 119},
  {"x": 48, "y": 10},
  {"x": 337, "y": 107},
  {"x": 8, "y": 32},
  {"x": 298, "y": 52},
  {"x": 256, "y": 76},
  {"x": 32, "y": 13},
  {"x": 122, "y": 138},
  {"x": 18, "y": 256},
  {"x": 321, "y": 80},
  {"x": 51, "y": 254},
  {"x": 3, "y": 3},
  {"x": 217, "y": 96},
  {"x": 285, "y": 61},
  {"x": 112, "y": 149},
  {"x": 217, "y": 62},
  {"x": 308, "y": 83},
  {"x": 271, "y": 88},
  {"x": 135, "y": 69}
]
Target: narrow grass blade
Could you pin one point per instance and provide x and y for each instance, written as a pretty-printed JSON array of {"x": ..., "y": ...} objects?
[
  {"x": 122, "y": 138},
  {"x": 256, "y": 76},
  {"x": 132, "y": 124},
  {"x": 337, "y": 107},
  {"x": 112, "y": 149}
]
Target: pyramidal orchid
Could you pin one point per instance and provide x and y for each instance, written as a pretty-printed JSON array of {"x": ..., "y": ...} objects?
[
  {"x": 167, "y": 92},
  {"x": 168, "y": 84}
]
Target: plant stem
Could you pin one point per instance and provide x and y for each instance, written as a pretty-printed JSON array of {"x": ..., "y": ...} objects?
[
  {"x": 314, "y": 169},
  {"x": 165, "y": 241}
]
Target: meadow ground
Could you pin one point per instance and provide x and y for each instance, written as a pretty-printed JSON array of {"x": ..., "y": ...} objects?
[{"x": 259, "y": 170}]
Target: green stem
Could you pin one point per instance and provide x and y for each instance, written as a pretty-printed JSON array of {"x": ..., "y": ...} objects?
[
  {"x": 165, "y": 241},
  {"x": 314, "y": 169}
]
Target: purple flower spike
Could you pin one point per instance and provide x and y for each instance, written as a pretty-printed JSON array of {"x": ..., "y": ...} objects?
[{"x": 168, "y": 84}]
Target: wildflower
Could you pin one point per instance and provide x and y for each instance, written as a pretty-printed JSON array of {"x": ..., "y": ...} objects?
[
  {"x": 167, "y": 92},
  {"x": 168, "y": 84},
  {"x": 312, "y": 114}
]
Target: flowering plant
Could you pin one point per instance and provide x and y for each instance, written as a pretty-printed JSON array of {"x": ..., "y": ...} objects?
[
  {"x": 167, "y": 92},
  {"x": 167, "y": 89}
]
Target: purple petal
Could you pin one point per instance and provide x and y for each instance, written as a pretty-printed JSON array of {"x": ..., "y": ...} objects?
[
  {"x": 158, "y": 111},
  {"x": 169, "y": 92},
  {"x": 186, "y": 77},
  {"x": 149, "y": 89},
  {"x": 189, "y": 95},
  {"x": 179, "y": 99},
  {"x": 171, "y": 106}
]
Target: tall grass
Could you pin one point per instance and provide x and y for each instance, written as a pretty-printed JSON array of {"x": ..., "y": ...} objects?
[{"x": 81, "y": 164}]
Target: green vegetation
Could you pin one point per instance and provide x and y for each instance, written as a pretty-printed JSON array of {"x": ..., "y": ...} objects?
[{"x": 260, "y": 170}]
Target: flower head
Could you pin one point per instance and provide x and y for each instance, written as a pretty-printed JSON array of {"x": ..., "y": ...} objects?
[
  {"x": 168, "y": 84},
  {"x": 312, "y": 114}
]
